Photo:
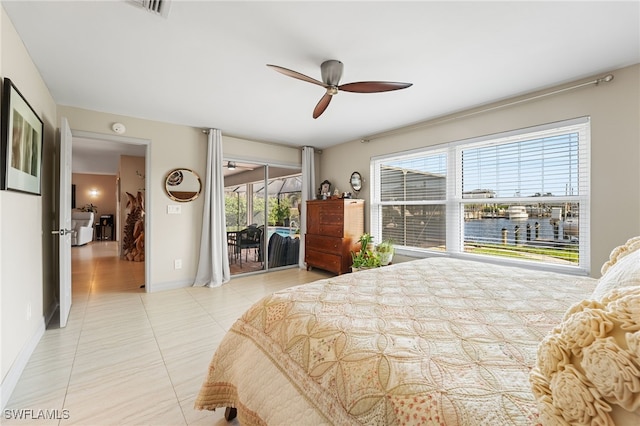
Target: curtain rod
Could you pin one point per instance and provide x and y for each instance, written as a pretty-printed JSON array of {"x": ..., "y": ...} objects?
[
  {"x": 606, "y": 79},
  {"x": 316, "y": 150}
]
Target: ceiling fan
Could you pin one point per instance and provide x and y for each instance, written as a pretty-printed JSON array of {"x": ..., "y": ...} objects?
[
  {"x": 331, "y": 72},
  {"x": 232, "y": 165}
]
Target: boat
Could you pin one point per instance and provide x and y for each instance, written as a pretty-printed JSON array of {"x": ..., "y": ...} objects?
[
  {"x": 517, "y": 213},
  {"x": 571, "y": 225}
]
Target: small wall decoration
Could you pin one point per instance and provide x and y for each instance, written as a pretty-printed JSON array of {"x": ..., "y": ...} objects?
[
  {"x": 325, "y": 189},
  {"x": 356, "y": 182},
  {"x": 22, "y": 137},
  {"x": 182, "y": 185}
]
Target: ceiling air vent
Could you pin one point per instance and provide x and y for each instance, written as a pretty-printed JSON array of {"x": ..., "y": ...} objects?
[{"x": 157, "y": 7}]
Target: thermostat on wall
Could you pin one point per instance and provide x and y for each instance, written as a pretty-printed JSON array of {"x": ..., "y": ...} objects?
[{"x": 118, "y": 128}]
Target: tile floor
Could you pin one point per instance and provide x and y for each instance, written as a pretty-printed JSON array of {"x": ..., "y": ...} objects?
[{"x": 128, "y": 357}]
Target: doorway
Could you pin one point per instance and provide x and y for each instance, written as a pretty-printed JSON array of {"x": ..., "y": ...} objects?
[
  {"x": 262, "y": 209},
  {"x": 104, "y": 169}
]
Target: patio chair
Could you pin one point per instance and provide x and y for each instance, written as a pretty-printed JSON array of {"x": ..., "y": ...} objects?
[{"x": 251, "y": 238}]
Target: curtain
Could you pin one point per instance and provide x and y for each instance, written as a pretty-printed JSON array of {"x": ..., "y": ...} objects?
[
  {"x": 308, "y": 193},
  {"x": 213, "y": 264}
]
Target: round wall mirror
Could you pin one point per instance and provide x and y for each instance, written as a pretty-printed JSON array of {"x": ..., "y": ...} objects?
[
  {"x": 182, "y": 185},
  {"x": 356, "y": 181}
]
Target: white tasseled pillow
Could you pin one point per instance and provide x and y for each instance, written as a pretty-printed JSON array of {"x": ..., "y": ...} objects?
[
  {"x": 622, "y": 269},
  {"x": 588, "y": 368}
]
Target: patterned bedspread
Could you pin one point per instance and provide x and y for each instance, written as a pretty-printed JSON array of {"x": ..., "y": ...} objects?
[{"x": 431, "y": 342}]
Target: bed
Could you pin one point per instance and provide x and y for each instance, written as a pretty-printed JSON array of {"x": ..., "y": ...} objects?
[{"x": 431, "y": 341}]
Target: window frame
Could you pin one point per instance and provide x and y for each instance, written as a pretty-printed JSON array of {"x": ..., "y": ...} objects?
[{"x": 454, "y": 202}]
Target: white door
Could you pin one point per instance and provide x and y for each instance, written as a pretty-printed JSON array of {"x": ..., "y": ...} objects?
[{"x": 64, "y": 224}]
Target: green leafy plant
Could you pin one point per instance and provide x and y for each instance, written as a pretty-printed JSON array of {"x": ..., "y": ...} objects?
[
  {"x": 385, "y": 251},
  {"x": 366, "y": 257},
  {"x": 279, "y": 211},
  {"x": 385, "y": 246}
]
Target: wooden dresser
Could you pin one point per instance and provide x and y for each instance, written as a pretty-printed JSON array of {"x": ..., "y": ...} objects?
[{"x": 333, "y": 230}]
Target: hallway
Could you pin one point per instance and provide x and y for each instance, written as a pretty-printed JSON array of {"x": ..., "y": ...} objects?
[
  {"x": 128, "y": 357},
  {"x": 97, "y": 268}
]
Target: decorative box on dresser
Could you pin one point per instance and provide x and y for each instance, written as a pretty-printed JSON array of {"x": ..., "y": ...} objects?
[{"x": 333, "y": 230}]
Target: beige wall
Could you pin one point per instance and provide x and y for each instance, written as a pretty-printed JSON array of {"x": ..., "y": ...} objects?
[
  {"x": 174, "y": 236},
  {"x": 614, "y": 109},
  {"x": 27, "y": 248},
  {"x": 104, "y": 184}
]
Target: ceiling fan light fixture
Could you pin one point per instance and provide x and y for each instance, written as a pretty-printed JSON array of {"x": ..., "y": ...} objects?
[
  {"x": 332, "y": 90},
  {"x": 331, "y": 72}
]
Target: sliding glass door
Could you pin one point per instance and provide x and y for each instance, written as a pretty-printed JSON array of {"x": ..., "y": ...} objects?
[
  {"x": 262, "y": 216},
  {"x": 283, "y": 230}
]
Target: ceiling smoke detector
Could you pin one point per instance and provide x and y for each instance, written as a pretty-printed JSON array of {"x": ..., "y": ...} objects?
[
  {"x": 119, "y": 128},
  {"x": 157, "y": 7}
]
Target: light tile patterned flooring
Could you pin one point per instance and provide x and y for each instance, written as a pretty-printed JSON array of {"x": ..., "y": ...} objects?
[{"x": 128, "y": 357}]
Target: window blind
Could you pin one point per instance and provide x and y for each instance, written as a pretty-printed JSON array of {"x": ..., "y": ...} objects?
[
  {"x": 545, "y": 166},
  {"x": 412, "y": 200},
  {"x": 522, "y": 195},
  {"x": 525, "y": 196}
]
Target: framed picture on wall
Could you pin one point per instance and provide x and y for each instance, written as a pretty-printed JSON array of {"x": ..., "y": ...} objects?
[{"x": 22, "y": 138}]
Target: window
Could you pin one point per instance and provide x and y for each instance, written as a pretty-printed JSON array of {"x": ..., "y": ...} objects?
[
  {"x": 520, "y": 195},
  {"x": 413, "y": 199}
]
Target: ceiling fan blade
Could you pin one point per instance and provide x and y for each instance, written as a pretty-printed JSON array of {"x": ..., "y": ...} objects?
[
  {"x": 322, "y": 105},
  {"x": 373, "y": 86},
  {"x": 297, "y": 75}
]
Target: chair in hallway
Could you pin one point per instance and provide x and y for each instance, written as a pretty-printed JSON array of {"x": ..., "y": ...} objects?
[{"x": 81, "y": 228}]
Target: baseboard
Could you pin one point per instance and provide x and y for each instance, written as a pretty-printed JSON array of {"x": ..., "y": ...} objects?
[
  {"x": 171, "y": 285},
  {"x": 12, "y": 377}
]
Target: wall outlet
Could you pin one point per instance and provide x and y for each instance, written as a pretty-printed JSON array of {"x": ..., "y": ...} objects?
[
  {"x": 177, "y": 264},
  {"x": 174, "y": 209}
]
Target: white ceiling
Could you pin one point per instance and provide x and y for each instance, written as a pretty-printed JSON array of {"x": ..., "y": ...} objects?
[{"x": 205, "y": 64}]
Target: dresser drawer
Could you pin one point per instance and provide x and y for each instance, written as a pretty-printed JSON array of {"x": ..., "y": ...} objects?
[
  {"x": 327, "y": 261},
  {"x": 332, "y": 229},
  {"x": 323, "y": 243}
]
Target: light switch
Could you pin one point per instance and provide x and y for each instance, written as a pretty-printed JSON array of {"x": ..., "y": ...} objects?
[{"x": 174, "y": 209}]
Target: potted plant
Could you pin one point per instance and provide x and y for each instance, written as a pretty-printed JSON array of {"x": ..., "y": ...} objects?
[
  {"x": 279, "y": 212},
  {"x": 367, "y": 257},
  {"x": 385, "y": 251},
  {"x": 282, "y": 215}
]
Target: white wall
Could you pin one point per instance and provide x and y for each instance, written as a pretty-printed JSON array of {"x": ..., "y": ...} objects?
[
  {"x": 615, "y": 150},
  {"x": 27, "y": 248}
]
